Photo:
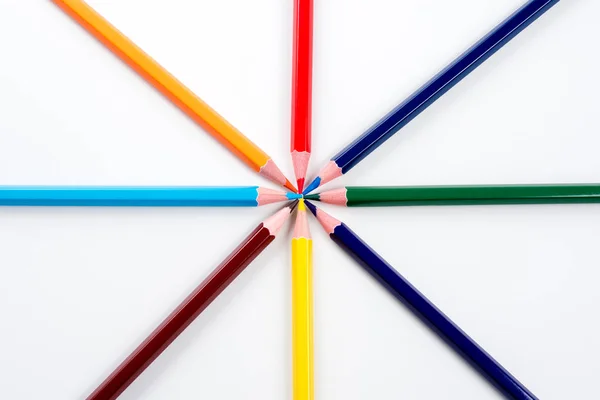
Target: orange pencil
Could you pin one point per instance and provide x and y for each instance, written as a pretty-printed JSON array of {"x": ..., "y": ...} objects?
[{"x": 174, "y": 90}]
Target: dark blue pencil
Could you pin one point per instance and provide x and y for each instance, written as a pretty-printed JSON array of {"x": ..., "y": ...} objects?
[
  {"x": 385, "y": 128},
  {"x": 422, "y": 307}
]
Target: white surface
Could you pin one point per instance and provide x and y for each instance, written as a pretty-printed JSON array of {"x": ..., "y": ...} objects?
[{"x": 80, "y": 288}]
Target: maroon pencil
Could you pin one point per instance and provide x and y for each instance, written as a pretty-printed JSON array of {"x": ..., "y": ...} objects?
[{"x": 191, "y": 307}]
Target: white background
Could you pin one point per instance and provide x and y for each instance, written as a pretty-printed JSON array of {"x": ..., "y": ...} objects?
[{"x": 80, "y": 288}]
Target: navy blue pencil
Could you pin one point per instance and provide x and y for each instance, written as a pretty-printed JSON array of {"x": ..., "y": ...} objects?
[
  {"x": 422, "y": 307},
  {"x": 385, "y": 128}
]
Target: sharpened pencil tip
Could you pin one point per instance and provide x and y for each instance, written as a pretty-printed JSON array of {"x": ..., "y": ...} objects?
[
  {"x": 301, "y": 229},
  {"x": 293, "y": 196},
  {"x": 293, "y": 205},
  {"x": 313, "y": 185},
  {"x": 300, "y": 182},
  {"x": 328, "y": 222},
  {"x": 311, "y": 207},
  {"x": 289, "y": 185},
  {"x": 312, "y": 196},
  {"x": 301, "y": 205}
]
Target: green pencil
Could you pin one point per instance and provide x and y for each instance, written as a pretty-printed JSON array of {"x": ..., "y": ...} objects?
[{"x": 382, "y": 196}]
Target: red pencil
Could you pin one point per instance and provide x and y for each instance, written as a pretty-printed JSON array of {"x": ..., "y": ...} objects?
[
  {"x": 302, "y": 88},
  {"x": 191, "y": 307}
]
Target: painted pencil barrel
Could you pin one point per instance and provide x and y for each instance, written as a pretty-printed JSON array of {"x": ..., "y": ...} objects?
[
  {"x": 302, "y": 317},
  {"x": 302, "y": 76},
  {"x": 165, "y": 83},
  {"x": 400, "y": 288},
  {"x": 129, "y": 196},
  {"x": 183, "y": 315},
  {"x": 440, "y": 84},
  {"x": 472, "y": 195}
]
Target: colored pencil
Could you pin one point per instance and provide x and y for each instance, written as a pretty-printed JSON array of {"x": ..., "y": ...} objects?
[
  {"x": 302, "y": 308},
  {"x": 400, "y": 288},
  {"x": 382, "y": 196},
  {"x": 174, "y": 90},
  {"x": 141, "y": 196},
  {"x": 191, "y": 307},
  {"x": 302, "y": 89},
  {"x": 385, "y": 128}
]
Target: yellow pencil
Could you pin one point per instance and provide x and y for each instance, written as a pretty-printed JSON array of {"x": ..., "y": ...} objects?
[
  {"x": 302, "y": 308},
  {"x": 174, "y": 90}
]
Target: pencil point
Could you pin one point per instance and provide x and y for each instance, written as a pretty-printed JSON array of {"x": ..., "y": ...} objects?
[
  {"x": 300, "y": 161},
  {"x": 276, "y": 221},
  {"x": 269, "y": 196},
  {"x": 293, "y": 205},
  {"x": 301, "y": 229},
  {"x": 311, "y": 207},
  {"x": 272, "y": 172},
  {"x": 293, "y": 196},
  {"x": 315, "y": 196},
  {"x": 301, "y": 205},
  {"x": 330, "y": 172},
  {"x": 335, "y": 196},
  {"x": 313, "y": 185},
  {"x": 291, "y": 187},
  {"x": 328, "y": 222}
]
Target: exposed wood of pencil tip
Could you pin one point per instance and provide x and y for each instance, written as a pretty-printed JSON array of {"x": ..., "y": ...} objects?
[
  {"x": 328, "y": 222},
  {"x": 301, "y": 229}
]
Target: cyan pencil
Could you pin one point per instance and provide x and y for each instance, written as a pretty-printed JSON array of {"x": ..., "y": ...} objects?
[{"x": 150, "y": 196}]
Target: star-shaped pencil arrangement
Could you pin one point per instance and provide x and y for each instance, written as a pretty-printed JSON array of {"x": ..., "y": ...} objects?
[{"x": 298, "y": 197}]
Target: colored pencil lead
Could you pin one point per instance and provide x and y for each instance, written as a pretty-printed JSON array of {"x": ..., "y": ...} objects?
[
  {"x": 290, "y": 186},
  {"x": 294, "y": 196}
]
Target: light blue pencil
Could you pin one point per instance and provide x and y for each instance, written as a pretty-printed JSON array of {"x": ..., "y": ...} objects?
[{"x": 142, "y": 196}]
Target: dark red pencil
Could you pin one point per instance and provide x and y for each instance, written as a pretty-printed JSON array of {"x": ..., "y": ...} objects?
[
  {"x": 191, "y": 307},
  {"x": 302, "y": 88}
]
